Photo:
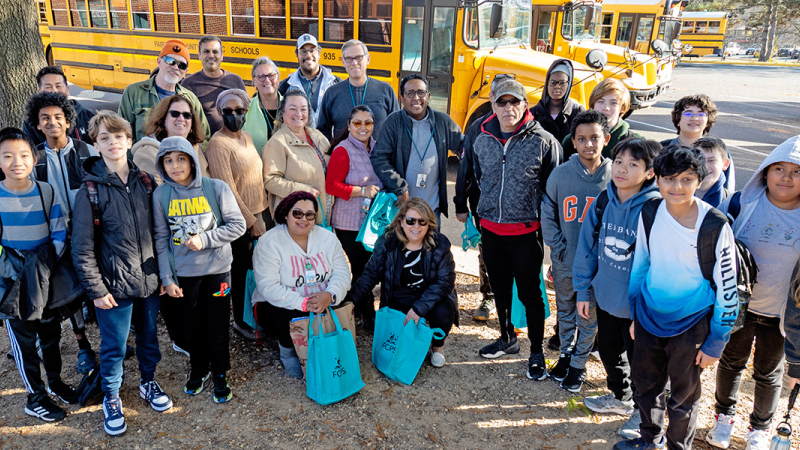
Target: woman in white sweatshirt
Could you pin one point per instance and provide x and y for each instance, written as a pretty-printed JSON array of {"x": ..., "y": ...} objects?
[{"x": 299, "y": 268}]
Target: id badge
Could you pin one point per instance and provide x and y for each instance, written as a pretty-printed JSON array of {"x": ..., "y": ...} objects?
[
  {"x": 310, "y": 274},
  {"x": 421, "y": 180}
]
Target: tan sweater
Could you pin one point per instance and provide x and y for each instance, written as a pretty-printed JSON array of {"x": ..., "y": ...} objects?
[
  {"x": 291, "y": 164},
  {"x": 241, "y": 168},
  {"x": 144, "y": 156}
]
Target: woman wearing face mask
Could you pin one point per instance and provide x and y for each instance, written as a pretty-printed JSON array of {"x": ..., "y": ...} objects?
[
  {"x": 296, "y": 157},
  {"x": 173, "y": 116},
  {"x": 261, "y": 117},
  {"x": 233, "y": 158}
]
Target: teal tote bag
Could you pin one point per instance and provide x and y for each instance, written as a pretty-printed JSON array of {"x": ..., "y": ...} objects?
[
  {"x": 412, "y": 348},
  {"x": 332, "y": 370},
  {"x": 388, "y": 328},
  {"x": 380, "y": 215}
]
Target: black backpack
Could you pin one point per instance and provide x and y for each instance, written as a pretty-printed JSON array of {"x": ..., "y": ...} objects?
[{"x": 746, "y": 269}]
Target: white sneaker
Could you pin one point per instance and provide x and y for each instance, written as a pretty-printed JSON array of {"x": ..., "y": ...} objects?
[
  {"x": 609, "y": 404},
  {"x": 756, "y": 440},
  {"x": 630, "y": 429},
  {"x": 437, "y": 359},
  {"x": 720, "y": 434}
]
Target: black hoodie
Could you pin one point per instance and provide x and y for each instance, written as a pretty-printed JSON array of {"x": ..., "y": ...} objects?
[{"x": 558, "y": 127}]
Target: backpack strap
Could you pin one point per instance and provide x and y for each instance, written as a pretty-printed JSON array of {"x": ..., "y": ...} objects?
[
  {"x": 707, "y": 238},
  {"x": 46, "y": 195},
  {"x": 41, "y": 162},
  {"x": 735, "y": 206},
  {"x": 94, "y": 200},
  {"x": 649, "y": 210},
  {"x": 149, "y": 182},
  {"x": 166, "y": 198},
  {"x": 211, "y": 196},
  {"x": 600, "y": 204}
]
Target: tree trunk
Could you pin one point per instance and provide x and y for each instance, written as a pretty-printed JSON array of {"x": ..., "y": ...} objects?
[
  {"x": 773, "y": 27},
  {"x": 765, "y": 48},
  {"x": 21, "y": 58}
]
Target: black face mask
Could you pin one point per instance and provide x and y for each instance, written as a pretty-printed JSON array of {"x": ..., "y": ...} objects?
[{"x": 234, "y": 122}]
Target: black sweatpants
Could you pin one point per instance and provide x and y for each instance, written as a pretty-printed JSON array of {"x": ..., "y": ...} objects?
[
  {"x": 516, "y": 258},
  {"x": 657, "y": 360},
  {"x": 442, "y": 315},
  {"x": 616, "y": 352},
  {"x": 172, "y": 310},
  {"x": 205, "y": 321},
  {"x": 270, "y": 317},
  {"x": 22, "y": 336},
  {"x": 358, "y": 257}
]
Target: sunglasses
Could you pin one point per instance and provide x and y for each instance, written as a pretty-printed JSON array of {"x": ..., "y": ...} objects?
[
  {"x": 175, "y": 114},
  {"x": 367, "y": 123},
  {"x": 505, "y": 76},
  {"x": 298, "y": 214},
  {"x": 174, "y": 62},
  {"x": 411, "y": 221},
  {"x": 229, "y": 111},
  {"x": 502, "y": 102}
]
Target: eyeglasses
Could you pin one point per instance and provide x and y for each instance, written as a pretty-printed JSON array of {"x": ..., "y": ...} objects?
[
  {"x": 411, "y": 94},
  {"x": 689, "y": 114},
  {"x": 502, "y": 102},
  {"x": 411, "y": 221},
  {"x": 353, "y": 59},
  {"x": 560, "y": 84},
  {"x": 229, "y": 111},
  {"x": 304, "y": 51},
  {"x": 263, "y": 77},
  {"x": 366, "y": 123},
  {"x": 175, "y": 114},
  {"x": 298, "y": 214},
  {"x": 174, "y": 62},
  {"x": 505, "y": 76}
]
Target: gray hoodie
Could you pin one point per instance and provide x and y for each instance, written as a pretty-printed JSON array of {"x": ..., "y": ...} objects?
[
  {"x": 570, "y": 190},
  {"x": 190, "y": 214}
]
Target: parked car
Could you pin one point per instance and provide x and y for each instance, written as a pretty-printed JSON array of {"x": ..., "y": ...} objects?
[
  {"x": 750, "y": 51},
  {"x": 795, "y": 54},
  {"x": 733, "y": 48},
  {"x": 784, "y": 52}
]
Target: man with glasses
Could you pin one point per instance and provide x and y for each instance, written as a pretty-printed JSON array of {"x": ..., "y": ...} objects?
[
  {"x": 359, "y": 89},
  {"x": 139, "y": 98},
  {"x": 512, "y": 159},
  {"x": 311, "y": 77},
  {"x": 410, "y": 156},
  {"x": 209, "y": 82}
]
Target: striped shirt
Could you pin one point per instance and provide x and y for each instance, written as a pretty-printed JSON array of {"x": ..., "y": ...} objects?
[{"x": 24, "y": 223}]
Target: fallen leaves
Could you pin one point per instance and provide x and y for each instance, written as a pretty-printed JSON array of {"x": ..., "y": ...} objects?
[
  {"x": 433, "y": 438},
  {"x": 380, "y": 431}
]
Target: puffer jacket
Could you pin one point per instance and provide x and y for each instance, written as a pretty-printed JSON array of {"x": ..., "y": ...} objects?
[
  {"x": 439, "y": 268},
  {"x": 121, "y": 260},
  {"x": 512, "y": 173}
]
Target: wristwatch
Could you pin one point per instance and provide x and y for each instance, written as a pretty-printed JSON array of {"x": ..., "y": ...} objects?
[{"x": 333, "y": 298}]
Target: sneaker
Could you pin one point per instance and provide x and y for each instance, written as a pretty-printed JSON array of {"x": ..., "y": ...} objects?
[
  {"x": 195, "y": 385},
  {"x": 114, "y": 422},
  {"x": 609, "y": 404},
  {"x": 757, "y": 440},
  {"x": 45, "y": 409},
  {"x": 640, "y": 444},
  {"x": 574, "y": 380},
  {"x": 87, "y": 360},
  {"x": 437, "y": 359},
  {"x": 536, "y": 367},
  {"x": 559, "y": 371},
  {"x": 486, "y": 309},
  {"x": 630, "y": 429},
  {"x": 246, "y": 332},
  {"x": 62, "y": 391},
  {"x": 720, "y": 434},
  {"x": 180, "y": 350},
  {"x": 499, "y": 348},
  {"x": 152, "y": 393},
  {"x": 222, "y": 390}
]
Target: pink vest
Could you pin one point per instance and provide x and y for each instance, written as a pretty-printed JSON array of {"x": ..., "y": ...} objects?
[{"x": 348, "y": 214}]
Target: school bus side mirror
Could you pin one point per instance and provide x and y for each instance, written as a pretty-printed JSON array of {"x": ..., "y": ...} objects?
[
  {"x": 596, "y": 59},
  {"x": 496, "y": 21},
  {"x": 659, "y": 47}
]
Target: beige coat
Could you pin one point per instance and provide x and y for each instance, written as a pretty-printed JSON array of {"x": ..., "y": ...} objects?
[
  {"x": 291, "y": 164},
  {"x": 144, "y": 156}
]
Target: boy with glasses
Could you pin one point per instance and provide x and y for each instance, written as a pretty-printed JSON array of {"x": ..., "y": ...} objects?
[{"x": 556, "y": 110}]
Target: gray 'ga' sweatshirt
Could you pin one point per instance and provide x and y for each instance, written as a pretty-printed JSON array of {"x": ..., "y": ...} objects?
[
  {"x": 190, "y": 214},
  {"x": 570, "y": 191}
]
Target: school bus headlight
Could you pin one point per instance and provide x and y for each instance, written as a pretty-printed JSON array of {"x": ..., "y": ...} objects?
[
  {"x": 677, "y": 44},
  {"x": 688, "y": 48}
]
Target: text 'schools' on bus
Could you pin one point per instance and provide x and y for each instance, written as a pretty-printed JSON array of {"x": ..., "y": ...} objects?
[
  {"x": 573, "y": 28},
  {"x": 458, "y": 46},
  {"x": 705, "y": 31}
]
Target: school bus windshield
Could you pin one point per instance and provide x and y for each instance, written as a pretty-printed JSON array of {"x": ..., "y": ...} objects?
[
  {"x": 581, "y": 22},
  {"x": 516, "y": 23}
]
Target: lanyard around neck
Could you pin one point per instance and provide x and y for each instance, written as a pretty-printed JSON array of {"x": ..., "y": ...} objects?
[
  {"x": 363, "y": 96},
  {"x": 421, "y": 157}
]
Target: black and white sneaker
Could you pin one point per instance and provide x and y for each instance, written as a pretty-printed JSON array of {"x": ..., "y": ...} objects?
[
  {"x": 45, "y": 409},
  {"x": 536, "y": 367},
  {"x": 500, "y": 347},
  {"x": 154, "y": 395},
  {"x": 574, "y": 380},
  {"x": 195, "y": 385},
  {"x": 559, "y": 371},
  {"x": 62, "y": 391}
]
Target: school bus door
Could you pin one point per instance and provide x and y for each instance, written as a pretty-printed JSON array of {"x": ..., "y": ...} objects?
[
  {"x": 429, "y": 33},
  {"x": 544, "y": 24},
  {"x": 635, "y": 31}
]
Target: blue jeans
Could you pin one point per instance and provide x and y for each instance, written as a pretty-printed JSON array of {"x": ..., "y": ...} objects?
[{"x": 115, "y": 324}]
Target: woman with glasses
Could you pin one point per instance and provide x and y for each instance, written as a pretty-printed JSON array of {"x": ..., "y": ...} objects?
[
  {"x": 556, "y": 110},
  {"x": 352, "y": 180},
  {"x": 260, "y": 122},
  {"x": 299, "y": 268},
  {"x": 233, "y": 158},
  {"x": 416, "y": 267},
  {"x": 296, "y": 157}
]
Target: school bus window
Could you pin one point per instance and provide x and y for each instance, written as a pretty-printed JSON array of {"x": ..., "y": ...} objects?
[
  {"x": 544, "y": 32},
  {"x": 645, "y": 30},
  {"x": 119, "y": 13},
  {"x": 140, "y": 13},
  {"x": 412, "y": 38},
  {"x": 97, "y": 8},
  {"x": 272, "y": 18},
  {"x": 688, "y": 26},
  {"x": 164, "y": 15},
  {"x": 338, "y": 20},
  {"x": 188, "y": 16},
  {"x": 243, "y": 21},
  {"x": 375, "y": 22},
  {"x": 713, "y": 26},
  {"x": 60, "y": 13},
  {"x": 215, "y": 18},
  {"x": 42, "y": 8},
  {"x": 78, "y": 11},
  {"x": 624, "y": 30},
  {"x": 305, "y": 18},
  {"x": 701, "y": 26},
  {"x": 471, "y": 29},
  {"x": 607, "y": 26}
]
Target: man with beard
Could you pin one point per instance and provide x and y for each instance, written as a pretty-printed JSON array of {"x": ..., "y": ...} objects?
[{"x": 139, "y": 98}]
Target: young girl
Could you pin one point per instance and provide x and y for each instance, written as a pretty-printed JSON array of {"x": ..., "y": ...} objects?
[{"x": 766, "y": 223}]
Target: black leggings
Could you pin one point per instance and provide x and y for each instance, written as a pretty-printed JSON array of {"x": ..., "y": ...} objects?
[
  {"x": 271, "y": 317},
  {"x": 358, "y": 257},
  {"x": 205, "y": 313}
]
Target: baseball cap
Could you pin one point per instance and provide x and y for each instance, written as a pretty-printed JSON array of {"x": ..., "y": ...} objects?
[
  {"x": 510, "y": 87},
  {"x": 306, "y": 39}
]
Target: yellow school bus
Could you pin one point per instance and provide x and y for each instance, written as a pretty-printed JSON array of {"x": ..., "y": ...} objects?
[
  {"x": 458, "y": 46},
  {"x": 705, "y": 31},
  {"x": 570, "y": 29}
]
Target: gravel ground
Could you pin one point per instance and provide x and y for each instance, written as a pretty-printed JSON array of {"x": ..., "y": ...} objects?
[{"x": 469, "y": 403}]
